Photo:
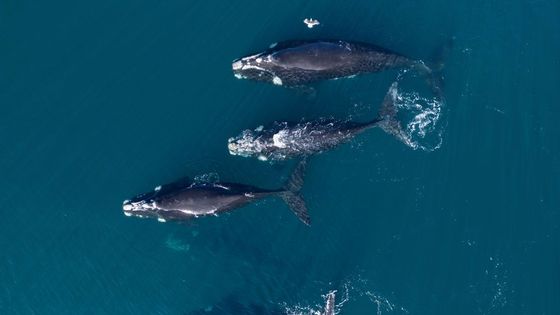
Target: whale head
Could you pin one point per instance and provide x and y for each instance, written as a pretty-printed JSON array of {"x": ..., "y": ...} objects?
[
  {"x": 255, "y": 67},
  {"x": 142, "y": 206},
  {"x": 247, "y": 144}
]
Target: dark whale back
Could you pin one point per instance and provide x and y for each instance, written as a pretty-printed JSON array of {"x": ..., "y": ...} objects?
[
  {"x": 209, "y": 197},
  {"x": 293, "y": 63},
  {"x": 313, "y": 56}
]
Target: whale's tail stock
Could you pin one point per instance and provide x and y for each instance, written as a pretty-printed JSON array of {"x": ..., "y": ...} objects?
[
  {"x": 330, "y": 305},
  {"x": 291, "y": 194},
  {"x": 387, "y": 116}
]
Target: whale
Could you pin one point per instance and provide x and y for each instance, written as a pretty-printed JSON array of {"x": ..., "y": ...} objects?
[
  {"x": 285, "y": 140},
  {"x": 300, "y": 62},
  {"x": 182, "y": 200}
]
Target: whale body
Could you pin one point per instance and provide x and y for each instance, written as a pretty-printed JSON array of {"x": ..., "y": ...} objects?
[
  {"x": 285, "y": 140},
  {"x": 300, "y": 62},
  {"x": 183, "y": 201}
]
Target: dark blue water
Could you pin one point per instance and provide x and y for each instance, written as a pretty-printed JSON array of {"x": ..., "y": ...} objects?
[{"x": 103, "y": 100}]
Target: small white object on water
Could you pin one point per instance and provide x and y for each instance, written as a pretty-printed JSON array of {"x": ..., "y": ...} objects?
[{"x": 311, "y": 22}]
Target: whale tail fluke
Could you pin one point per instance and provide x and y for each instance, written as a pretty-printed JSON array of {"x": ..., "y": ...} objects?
[
  {"x": 387, "y": 115},
  {"x": 292, "y": 196},
  {"x": 433, "y": 70}
]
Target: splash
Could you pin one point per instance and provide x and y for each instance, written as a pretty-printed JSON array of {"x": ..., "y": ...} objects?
[
  {"x": 419, "y": 116},
  {"x": 353, "y": 289},
  {"x": 319, "y": 309},
  {"x": 209, "y": 178},
  {"x": 384, "y": 305}
]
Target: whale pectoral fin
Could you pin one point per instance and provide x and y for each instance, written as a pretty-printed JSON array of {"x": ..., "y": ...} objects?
[{"x": 308, "y": 92}]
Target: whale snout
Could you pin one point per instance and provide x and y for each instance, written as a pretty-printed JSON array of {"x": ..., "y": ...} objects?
[
  {"x": 129, "y": 208},
  {"x": 237, "y": 65},
  {"x": 139, "y": 207}
]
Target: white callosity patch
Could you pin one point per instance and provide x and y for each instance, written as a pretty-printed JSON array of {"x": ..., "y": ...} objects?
[
  {"x": 276, "y": 80},
  {"x": 245, "y": 144},
  {"x": 237, "y": 65},
  {"x": 254, "y": 62}
]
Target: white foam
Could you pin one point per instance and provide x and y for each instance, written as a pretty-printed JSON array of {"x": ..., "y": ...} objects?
[
  {"x": 278, "y": 139},
  {"x": 423, "y": 127},
  {"x": 128, "y": 214},
  {"x": 158, "y": 188},
  {"x": 160, "y": 219}
]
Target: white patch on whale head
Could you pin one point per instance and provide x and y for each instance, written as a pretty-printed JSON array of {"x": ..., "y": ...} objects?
[
  {"x": 127, "y": 207},
  {"x": 232, "y": 147},
  {"x": 276, "y": 80},
  {"x": 237, "y": 65},
  {"x": 158, "y": 188},
  {"x": 278, "y": 139}
]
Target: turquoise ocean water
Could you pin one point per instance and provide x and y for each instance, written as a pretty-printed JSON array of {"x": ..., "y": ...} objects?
[{"x": 103, "y": 100}]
